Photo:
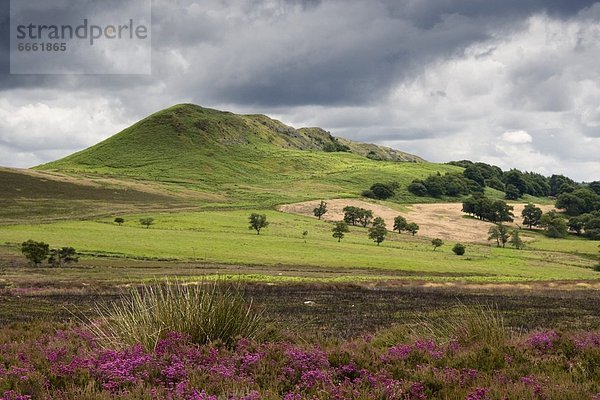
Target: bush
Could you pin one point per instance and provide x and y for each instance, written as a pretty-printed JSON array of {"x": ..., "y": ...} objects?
[
  {"x": 458, "y": 249},
  {"x": 36, "y": 252},
  {"x": 206, "y": 312}
]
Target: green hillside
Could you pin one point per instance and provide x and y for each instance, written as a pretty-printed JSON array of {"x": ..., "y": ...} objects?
[{"x": 246, "y": 159}]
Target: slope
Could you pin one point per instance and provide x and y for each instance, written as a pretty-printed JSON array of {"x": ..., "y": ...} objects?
[{"x": 249, "y": 159}]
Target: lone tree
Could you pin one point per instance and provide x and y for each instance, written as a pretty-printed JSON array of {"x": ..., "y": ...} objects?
[
  {"x": 147, "y": 222},
  {"x": 436, "y": 243},
  {"x": 321, "y": 210},
  {"x": 64, "y": 255},
  {"x": 531, "y": 215},
  {"x": 413, "y": 228},
  {"x": 340, "y": 228},
  {"x": 459, "y": 249},
  {"x": 119, "y": 221},
  {"x": 400, "y": 223},
  {"x": 36, "y": 252},
  {"x": 257, "y": 222},
  {"x": 515, "y": 240},
  {"x": 499, "y": 233},
  {"x": 378, "y": 231}
]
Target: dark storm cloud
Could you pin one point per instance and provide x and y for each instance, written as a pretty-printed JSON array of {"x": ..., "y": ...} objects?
[{"x": 443, "y": 78}]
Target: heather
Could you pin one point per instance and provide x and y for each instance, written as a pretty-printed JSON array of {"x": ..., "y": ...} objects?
[{"x": 394, "y": 363}]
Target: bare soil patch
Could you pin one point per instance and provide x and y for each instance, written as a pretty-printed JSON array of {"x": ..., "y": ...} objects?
[{"x": 440, "y": 220}]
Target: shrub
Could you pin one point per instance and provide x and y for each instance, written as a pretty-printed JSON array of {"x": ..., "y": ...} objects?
[
  {"x": 206, "y": 312},
  {"x": 36, "y": 252},
  {"x": 458, "y": 249}
]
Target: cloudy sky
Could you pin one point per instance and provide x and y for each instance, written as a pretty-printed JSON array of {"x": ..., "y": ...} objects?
[{"x": 515, "y": 83}]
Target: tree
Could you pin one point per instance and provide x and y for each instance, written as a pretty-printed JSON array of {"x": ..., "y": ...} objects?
[
  {"x": 531, "y": 215},
  {"x": 340, "y": 228},
  {"x": 417, "y": 188},
  {"x": 554, "y": 224},
  {"x": 515, "y": 240},
  {"x": 320, "y": 210},
  {"x": 512, "y": 192},
  {"x": 119, "y": 221},
  {"x": 378, "y": 231},
  {"x": 413, "y": 228},
  {"x": 147, "y": 222},
  {"x": 499, "y": 233},
  {"x": 381, "y": 191},
  {"x": 364, "y": 217},
  {"x": 436, "y": 243},
  {"x": 577, "y": 224},
  {"x": 36, "y": 252},
  {"x": 351, "y": 214},
  {"x": 400, "y": 223},
  {"x": 257, "y": 222},
  {"x": 458, "y": 249},
  {"x": 64, "y": 255}
]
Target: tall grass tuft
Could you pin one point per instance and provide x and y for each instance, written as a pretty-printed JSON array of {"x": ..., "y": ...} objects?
[
  {"x": 479, "y": 323},
  {"x": 206, "y": 312}
]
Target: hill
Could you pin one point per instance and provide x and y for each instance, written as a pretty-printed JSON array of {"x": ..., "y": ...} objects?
[{"x": 247, "y": 159}]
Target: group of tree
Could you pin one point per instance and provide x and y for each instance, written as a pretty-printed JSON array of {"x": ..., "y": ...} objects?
[
  {"x": 357, "y": 216},
  {"x": 335, "y": 146},
  {"x": 401, "y": 225},
  {"x": 487, "y": 209},
  {"x": 381, "y": 191},
  {"x": 587, "y": 225},
  {"x": 579, "y": 201},
  {"x": 450, "y": 184},
  {"x": 458, "y": 249},
  {"x": 514, "y": 183},
  {"x": 501, "y": 234},
  {"x": 37, "y": 252}
]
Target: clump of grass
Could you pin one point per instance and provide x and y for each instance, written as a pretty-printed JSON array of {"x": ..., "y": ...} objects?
[
  {"x": 479, "y": 323},
  {"x": 205, "y": 312}
]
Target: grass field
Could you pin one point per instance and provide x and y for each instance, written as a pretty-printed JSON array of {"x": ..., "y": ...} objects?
[{"x": 223, "y": 237}]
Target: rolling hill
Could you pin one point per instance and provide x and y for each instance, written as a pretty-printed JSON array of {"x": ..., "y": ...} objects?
[{"x": 245, "y": 159}]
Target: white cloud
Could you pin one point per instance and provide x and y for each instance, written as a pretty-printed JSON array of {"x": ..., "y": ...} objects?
[{"x": 516, "y": 137}]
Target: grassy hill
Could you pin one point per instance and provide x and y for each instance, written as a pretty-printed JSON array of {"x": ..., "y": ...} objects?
[{"x": 247, "y": 159}]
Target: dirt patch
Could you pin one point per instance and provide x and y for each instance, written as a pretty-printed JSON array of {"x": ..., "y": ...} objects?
[{"x": 440, "y": 220}]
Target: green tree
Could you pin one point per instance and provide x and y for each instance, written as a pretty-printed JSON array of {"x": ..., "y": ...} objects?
[
  {"x": 436, "y": 243},
  {"x": 257, "y": 222},
  {"x": 378, "y": 231},
  {"x": 119, "y": 221},
  {"x": 36, "y": 252},
  {"x": 499, "y": 233},
  {"x": 364, "y": 217},
  {"x": 515, "y": 240},
  {"x": 64, "y": 255},
  {"x": 147, "y": 222},
  {"x": 400, "y": 223},
  {"x": 340, "y": 228},
  {"x": 382, "y": 191},
  {"x": 577, "y": 224},
  {"x": 417, "y": 188},
  {"x": 512, "y": 192},
  {"x": 531, "y": 215},
  {"x": 413, "y": 228},
  {"x": 320, "y": 210},
  {"x": 458, "y": 249},
  {"x": 554, "y": 224},
  {"x": 351, "y": 215}
]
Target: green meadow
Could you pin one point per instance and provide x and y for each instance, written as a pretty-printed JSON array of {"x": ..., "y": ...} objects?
[{"x": 224, "y": 237}]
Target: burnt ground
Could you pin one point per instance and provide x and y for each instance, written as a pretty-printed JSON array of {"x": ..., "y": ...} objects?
[{"x": 347, "y": 310}]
